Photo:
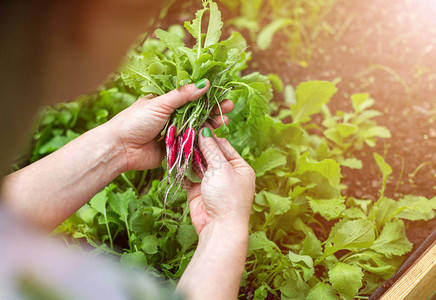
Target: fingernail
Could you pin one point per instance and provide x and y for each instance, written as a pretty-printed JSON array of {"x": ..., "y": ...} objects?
[
  {"x": 201, "y": 83},
  {"x": 206, "y": 132}
]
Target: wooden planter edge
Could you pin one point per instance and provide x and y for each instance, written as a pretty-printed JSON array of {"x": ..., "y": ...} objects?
[{"x": 416, "y": 279}]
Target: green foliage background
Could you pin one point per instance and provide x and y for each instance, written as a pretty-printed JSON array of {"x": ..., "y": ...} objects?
[{"x": 308, "y": 239}]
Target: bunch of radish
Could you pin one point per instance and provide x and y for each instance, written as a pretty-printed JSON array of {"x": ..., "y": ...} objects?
[
  {"x": 180, "y": 149},
  {"x": 181, "y": 153}
]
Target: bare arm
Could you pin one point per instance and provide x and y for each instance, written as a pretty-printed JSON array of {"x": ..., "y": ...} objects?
[
  {"x": 216, "y": 269},
  {"x": 53, "y": 188}
]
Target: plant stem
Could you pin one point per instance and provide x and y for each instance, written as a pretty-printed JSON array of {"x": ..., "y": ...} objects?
[
  {"x": 146, "y": 77},
  {"x": 219, "y": 107},
  {"x": 128, "y": 232},
  {"x": 199, "y": 34},
  {"x": 141, "y": 182},
  {"x": 129, "y": 183},
  {"x": 400, "y": 176},
  {"x": 108, "y": 230}
]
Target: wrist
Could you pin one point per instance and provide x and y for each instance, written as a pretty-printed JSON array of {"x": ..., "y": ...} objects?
[
  {"x": 217, "y": 267},
  {"x": 114, "y": 154},
  {"x": 226, "y": 228}
]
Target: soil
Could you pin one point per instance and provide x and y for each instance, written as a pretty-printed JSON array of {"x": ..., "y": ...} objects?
[
  {"x": 386, "y": 48},
  {"x": 388, "y": 51}
]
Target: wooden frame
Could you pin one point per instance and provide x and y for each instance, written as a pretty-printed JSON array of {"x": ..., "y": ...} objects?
[{"x": 418, "y": 282}]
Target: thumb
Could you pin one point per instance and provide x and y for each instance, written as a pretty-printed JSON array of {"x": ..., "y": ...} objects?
[
  {"x": 182, "y": 95},
  {"x": 211, "y": 151}
]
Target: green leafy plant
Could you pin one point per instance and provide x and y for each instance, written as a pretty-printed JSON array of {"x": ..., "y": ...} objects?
[
  {"x": 298, "y": 23},
  {"x": 308, "y": 240},
  {"x": 166, "y": 64},
  {"x": 349, "y": 132},
  {"x": 122, "y": 223},
  {"x": 59, "y": 124}
]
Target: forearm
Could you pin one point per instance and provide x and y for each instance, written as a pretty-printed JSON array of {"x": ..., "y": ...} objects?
[
  {"x": 216, "y": 269},
  {"x": 53, "y": 188}
]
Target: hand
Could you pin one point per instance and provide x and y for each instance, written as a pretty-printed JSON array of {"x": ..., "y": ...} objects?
[
  {"x": 220, "y": 209},
  {"x": 137, "y": 127},
  {"x": 226, "y": 192}
]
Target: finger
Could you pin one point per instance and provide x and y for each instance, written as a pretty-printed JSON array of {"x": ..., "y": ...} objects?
[
  {"x": 176, "y": 98},
  {"x": 209, "y": 148},
  {"x": 143, "y": 100},
  {"x": 197, "y": 170},
  {"x": 226, "y": 107},
  {"x": 148, "y": 97},
  {"x": 229, "y": 153},
  {"x": 193, "y": 190},
  {"x": 218, "y": 121}
]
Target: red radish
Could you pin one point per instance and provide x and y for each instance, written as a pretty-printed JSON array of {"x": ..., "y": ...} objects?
[
  {"x": 179, "y": 144},
  {"x": 197, "y": 160},
  {"x": 169, "y": 140},
  {"x": 188, "y": 142},
  {"x": 172, "y": 154},
  {"x": 179, "y": 151}
]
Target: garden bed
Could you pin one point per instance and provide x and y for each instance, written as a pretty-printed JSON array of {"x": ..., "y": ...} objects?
[
  {"x": 387, "y": 49},
  {"x": 383, "y": 48}
]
